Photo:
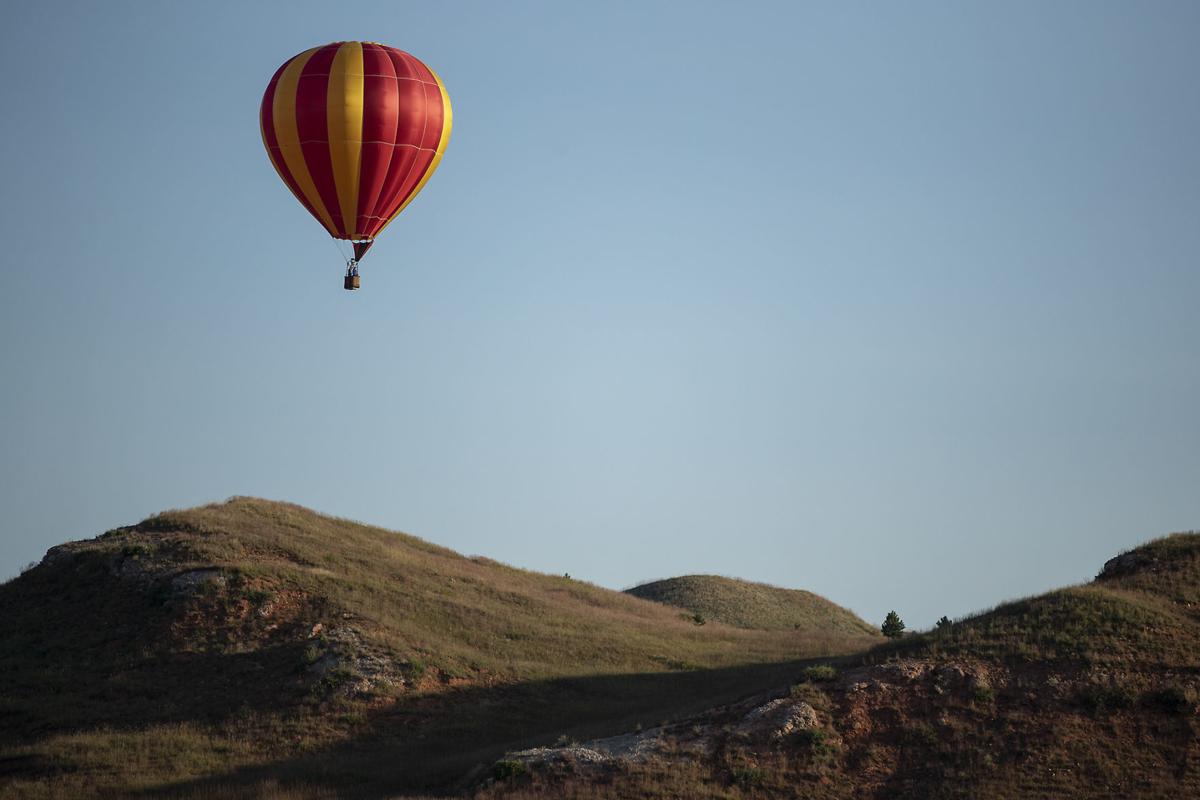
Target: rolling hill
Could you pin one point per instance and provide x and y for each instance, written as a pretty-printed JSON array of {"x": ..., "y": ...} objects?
[
  {"x": 754, "y": 606},
  {"x": 1089, "y": 691},
  {"x": 252, "y": 644}
]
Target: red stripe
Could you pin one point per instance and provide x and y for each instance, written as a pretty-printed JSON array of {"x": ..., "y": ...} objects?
[
  {"x": 406, "y": 66},
  {"x": 419, "y": 126},
  {"x": 312, "y": 98},
  {"x": 381, "y": 111},
  {"x": 266, "y": 115},
  {"x": 435, "y": 116}
]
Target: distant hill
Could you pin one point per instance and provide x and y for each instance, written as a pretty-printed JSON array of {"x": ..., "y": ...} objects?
[
  {"x": 1090, "y": 691},
  {"x": 756, "y": 606},
  {"x": 217, "y": 648}
]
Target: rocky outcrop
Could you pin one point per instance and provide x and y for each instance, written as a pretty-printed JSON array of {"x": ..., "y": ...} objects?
[
  {"x": 779, "y": 719},
  {"x": 341, "y": 662}
]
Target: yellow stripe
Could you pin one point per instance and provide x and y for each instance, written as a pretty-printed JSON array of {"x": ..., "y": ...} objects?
[
  {"x": 447, "y": 123},
  {"x": 345, "y": 114},
  {"x": 274, "y": 163},
  {"x": 283, "y": 109}
]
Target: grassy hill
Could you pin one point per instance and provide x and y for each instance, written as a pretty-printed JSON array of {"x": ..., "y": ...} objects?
[
  {"x": 1090, "y": 691},
  {"x": 224, "y": 649},
  {"x": 755, "y": 606}
]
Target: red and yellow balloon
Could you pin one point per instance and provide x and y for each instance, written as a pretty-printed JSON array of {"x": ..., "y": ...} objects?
[{"x": 355, "y": 130}]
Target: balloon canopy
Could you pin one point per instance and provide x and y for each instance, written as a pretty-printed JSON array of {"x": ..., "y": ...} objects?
[{"x": 355, "y": 130}]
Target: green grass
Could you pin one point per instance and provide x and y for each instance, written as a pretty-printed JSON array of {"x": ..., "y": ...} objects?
[{"x": 756, "y": 606}]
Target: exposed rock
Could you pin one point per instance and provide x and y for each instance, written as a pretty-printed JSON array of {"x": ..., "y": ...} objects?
[
  {"x": 551, "y": 755},
  {"x": 903, "y": 671},
  {"x": 1126, "y": 564},
  {"x": 350, "y": 666},
  {"x": 627, "y": 747},
  {"x": 779, "y": 718},
  {"x": 59, "y": 554},
  {"x": 190, "y": 582}
]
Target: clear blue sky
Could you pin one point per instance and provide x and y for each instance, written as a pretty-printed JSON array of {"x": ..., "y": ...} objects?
[{"x": 893, "y": 302}]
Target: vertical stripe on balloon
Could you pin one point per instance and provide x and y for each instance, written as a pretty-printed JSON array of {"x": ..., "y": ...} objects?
[
  {"x": 447, "y": 120},
  {"x": 312, "y": 112},
  {"x": 410, "y": 128},
  {"x": 287, "y": 134},
  {"x": 267, "y": 127},
  {"x": 381, "y": 110},
  {"x": 344, "y": 111}
]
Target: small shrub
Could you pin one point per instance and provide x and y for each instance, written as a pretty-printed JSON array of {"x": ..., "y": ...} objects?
[
  {"x": 259, "y": 596},
  {"x": 331, "y": 682},
  {"x": 136, "y": 550},
  {"x": 311, "y": 654},
  {"x": 818, "y": 741},
  {"x": 983, "y": 694},
  {"x": 893, "y": 626},
  {"x": 506, "y": 769},
  {"x": 920, "y": 734},
  {"x": 748, "y": 776},
  {"x": 822, "y": 673},
  {"x": 416, "y": 668},
  {"x": 943, "y": 624},
  {"x": 808, "y": 693},
  {"x": 1104, "y": 699},
  {"x": 698, "y": 618}
]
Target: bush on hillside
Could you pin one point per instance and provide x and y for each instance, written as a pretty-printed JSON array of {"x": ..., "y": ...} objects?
[
  {"x": 822, "y": 673},
  {"x": 748, "y": 776},
  {"x": 503, "y": 770},
  {"x": 1104, "y": 699},
  {"x": 893, "y": 626}
]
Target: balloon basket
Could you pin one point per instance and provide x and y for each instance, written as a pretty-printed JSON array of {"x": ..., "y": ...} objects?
[{"x": 352, "y": 282}]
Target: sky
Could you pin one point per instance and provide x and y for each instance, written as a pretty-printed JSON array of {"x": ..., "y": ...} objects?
[{"x": 896, "y": 303}]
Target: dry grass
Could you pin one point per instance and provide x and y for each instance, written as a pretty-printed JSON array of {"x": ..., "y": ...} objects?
[
  {"x": 1090, "y": 691},
  {"x": 116, "y": 682},
  {"x": 1143, "y": 611}
]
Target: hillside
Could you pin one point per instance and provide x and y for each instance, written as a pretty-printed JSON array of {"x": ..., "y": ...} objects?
[
  {"x": 236, "y": 645},
  {"x": 756, "y": 606},
  {"x": 1089, "y": 691}
]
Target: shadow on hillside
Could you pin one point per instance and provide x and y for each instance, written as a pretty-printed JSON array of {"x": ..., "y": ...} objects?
[
  {"x": 441, "y": 743},
  {"x": 79, "y": 651}
]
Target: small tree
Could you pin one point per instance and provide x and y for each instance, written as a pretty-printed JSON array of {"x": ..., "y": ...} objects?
[
  {"x": 944, "y": 623},
  {"x": 893, "y": 626}
]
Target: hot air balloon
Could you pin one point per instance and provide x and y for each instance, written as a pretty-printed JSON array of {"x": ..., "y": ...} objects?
[{"x": 355, "y": 130}]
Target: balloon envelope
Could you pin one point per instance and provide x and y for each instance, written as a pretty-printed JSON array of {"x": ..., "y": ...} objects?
[{"x": 355, "y": 129}]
